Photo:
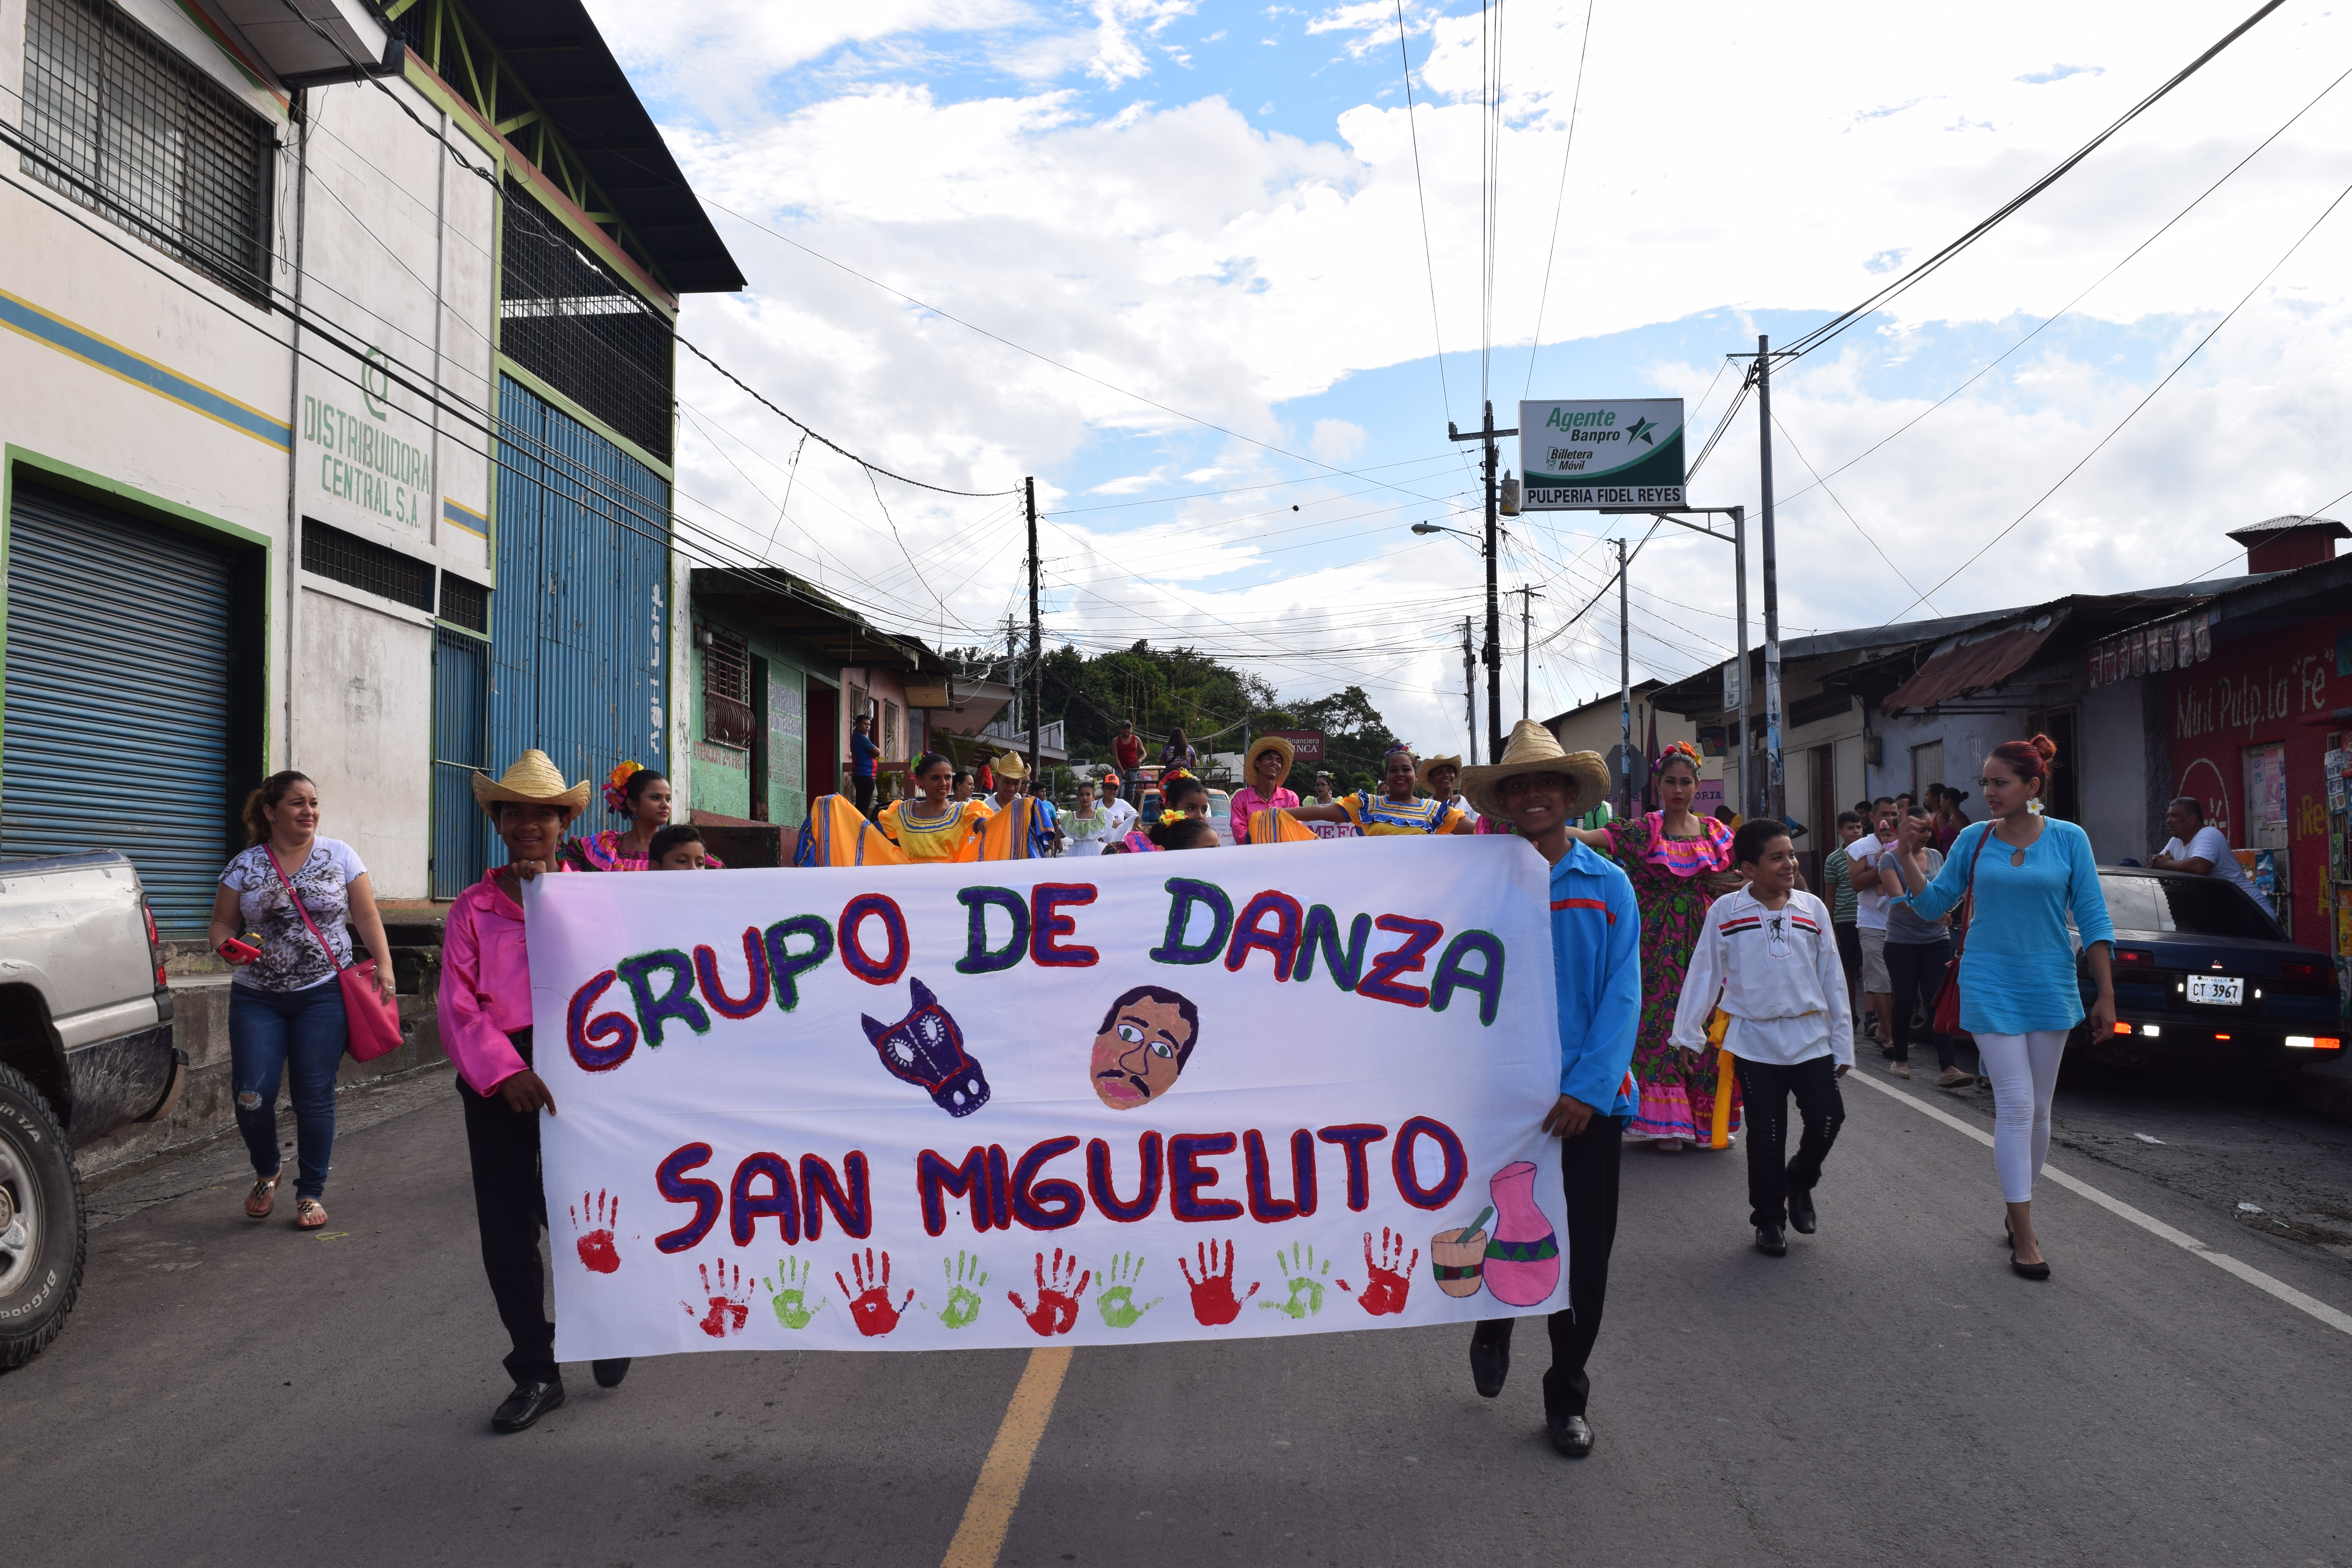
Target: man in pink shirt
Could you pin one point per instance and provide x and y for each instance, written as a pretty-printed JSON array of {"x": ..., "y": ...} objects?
[
  {"x": 1265, "y": 766},
  {"x": 485, "y": 1020}
]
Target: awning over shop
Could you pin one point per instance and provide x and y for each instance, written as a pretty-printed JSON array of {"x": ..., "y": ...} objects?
[{"x": 1973, "y": 667}]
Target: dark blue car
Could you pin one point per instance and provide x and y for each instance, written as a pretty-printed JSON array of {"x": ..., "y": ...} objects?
[{"x": 2205, "y": 977}]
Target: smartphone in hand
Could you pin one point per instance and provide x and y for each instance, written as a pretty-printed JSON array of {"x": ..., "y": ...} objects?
[{"x": 238, "y": 953}]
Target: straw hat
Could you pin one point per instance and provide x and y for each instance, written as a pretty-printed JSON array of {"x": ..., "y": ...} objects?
[
  {"x": 1431, "y": 764},
  {"x": 1264, "y": 743},
  {"x": 1532, "y": 749},
  {"x": 1009, "y": 766},
  {"x": 534, "y": 780}
]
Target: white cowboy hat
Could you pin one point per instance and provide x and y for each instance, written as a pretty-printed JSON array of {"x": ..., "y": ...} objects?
[{"x": 1532, "y": 749}]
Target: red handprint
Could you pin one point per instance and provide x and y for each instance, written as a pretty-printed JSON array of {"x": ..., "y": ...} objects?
[
  {"x": 1058, "y": 1304},
  {"x": 869, "y": 1304},
  {"x": 1391, "y": 1278},
  {"x": 596, "y": 1247},
  {"x": 1214, "y": 1301},
  {"x": 730, "y": 1303}
]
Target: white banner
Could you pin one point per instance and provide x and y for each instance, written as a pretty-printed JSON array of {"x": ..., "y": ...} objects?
[{"x": 1280, "y": 1090}]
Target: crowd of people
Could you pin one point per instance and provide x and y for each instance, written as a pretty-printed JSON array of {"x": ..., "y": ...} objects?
[{"x": 1698, "y": 983}]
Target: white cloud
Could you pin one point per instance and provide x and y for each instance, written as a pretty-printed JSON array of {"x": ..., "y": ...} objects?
[
  {"x": 1337, "y": 440},
  {"x": 1225, "y": 270}
]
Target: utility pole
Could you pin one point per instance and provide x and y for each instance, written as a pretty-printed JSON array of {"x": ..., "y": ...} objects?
[
  {"x": 1624, "y": 684},
  {"x": 1527, "y": 596},
  {"x": 1747, "y": 807},
  {"x": 1470, "y": 693},
  {"x": 1029, "y": 495},
  {"x": 1012, "y": 673},
  {"x": 1775, "y": 780},
  {"x": 1485, "y": 435}
]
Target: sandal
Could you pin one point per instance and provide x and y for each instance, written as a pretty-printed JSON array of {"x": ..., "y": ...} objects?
[
  {"x": 262, "y": 1198},
  {"x": 310, "y": 1214}
]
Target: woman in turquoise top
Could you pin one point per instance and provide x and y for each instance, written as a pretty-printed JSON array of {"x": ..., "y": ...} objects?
[{"x": 2018, "y": 995}]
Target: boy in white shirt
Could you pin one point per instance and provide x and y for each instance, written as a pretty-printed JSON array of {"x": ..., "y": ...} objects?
[{"x": 1769, "y": 953}]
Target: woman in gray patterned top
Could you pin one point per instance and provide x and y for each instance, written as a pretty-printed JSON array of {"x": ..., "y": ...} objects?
[{"x": 286, "y": 1009}]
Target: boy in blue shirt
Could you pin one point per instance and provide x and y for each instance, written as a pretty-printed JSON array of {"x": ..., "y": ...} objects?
[
  {"x": 1596, "y": 941},
  {"x": 865, "y": 758}
]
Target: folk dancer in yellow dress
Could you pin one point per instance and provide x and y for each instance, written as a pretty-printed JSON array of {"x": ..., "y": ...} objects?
[
  {"x": 1399, "y": 807},
  {"x": 933, "y": 827}
]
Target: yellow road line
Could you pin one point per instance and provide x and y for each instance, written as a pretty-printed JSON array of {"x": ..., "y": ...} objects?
[{"x": 994, "y": 1496}]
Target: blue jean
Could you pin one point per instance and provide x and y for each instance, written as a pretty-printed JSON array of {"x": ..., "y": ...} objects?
[{"x": 299, "y": 1035}]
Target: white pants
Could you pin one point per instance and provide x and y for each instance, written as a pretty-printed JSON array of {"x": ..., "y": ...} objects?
[{"x": 2024, "y": 1073}]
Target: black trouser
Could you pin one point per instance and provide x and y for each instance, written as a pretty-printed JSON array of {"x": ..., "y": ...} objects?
[
  {"x": 1765, "y": 1089},
  {"x": 865, "y": 788},
  {"x": 1918, "y": 971},
  {"x": 1588, "y": 1172},
  {"x": 511, "y": 1207}
]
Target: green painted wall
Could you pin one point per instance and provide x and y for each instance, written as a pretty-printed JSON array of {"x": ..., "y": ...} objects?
[{"x": 781, "y": 675}]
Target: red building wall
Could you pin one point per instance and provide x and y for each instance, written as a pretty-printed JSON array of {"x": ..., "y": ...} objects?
[{"x": 2249, "y": 693}]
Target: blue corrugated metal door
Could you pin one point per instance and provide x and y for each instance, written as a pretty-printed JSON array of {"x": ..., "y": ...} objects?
[
  {"x": 461, "y": 832},
  {"x": 578, "y": 643},
  {"x": 117, "y": 697}
]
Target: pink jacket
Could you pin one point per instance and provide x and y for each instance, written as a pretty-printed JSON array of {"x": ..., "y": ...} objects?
[{"x": 485, "y": 985}]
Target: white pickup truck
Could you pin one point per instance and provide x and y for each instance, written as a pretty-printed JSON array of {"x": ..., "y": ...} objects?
[{"x": 85, "y": 1047}]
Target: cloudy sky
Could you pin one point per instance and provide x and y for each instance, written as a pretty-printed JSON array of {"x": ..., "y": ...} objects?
[{"x": 1172, "y": 260}]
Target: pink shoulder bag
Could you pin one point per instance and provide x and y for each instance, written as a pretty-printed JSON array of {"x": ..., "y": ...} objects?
[{"x": 371, "y": 1028}]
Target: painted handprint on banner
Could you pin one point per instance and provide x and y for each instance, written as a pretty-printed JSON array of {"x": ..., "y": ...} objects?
[
  {"x": 1305, "y": 1277},
  {"x": 597, "y": 1252},
  {"x": 966, "y": 1279},
  {"x": 730, "y": 1305},
  {"x": 1115, "y": 1299},
  {"x": 869, "y": 1304},
  {"x": 791, "y": 1302},
  {"x": 1389, "y": 1279},
  {"x": 1057, "y": 1310},
  {"x": 1214, "y": 1301}
]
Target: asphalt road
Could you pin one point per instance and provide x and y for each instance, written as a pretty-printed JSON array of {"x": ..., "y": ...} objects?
[{"x": 230, "y": 1393}]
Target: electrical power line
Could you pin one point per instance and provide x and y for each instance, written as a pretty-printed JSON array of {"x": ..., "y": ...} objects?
[
  {"x": 1808, "y": 341},
  {"x": 1560, "y": 200},
  {"x": 2143, "y": 403}
]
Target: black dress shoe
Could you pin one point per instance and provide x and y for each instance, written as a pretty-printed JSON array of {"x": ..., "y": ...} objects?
[
  {"x": 527, "y": 1404},
  {"x": 1490, "y": 1362},
  {"x": 1800, "y": 1213},
  {"x": 610, "y": 1373},
  {"x": 2028, "y": 1270},
  {"x": 1770, "y": 1242},
  {"x": 1571, "y": 1435}
]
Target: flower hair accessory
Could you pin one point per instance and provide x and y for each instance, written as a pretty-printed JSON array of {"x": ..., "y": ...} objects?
[
  {"x": 1169, "y": 819},
  {"x": 617, "y": 786},
  {"x": 1682, "y": 749}
]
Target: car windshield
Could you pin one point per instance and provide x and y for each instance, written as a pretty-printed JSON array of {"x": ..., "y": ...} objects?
[{"x": 2194, "y": 906}]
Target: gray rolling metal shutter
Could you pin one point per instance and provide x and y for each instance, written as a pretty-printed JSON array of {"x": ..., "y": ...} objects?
[{"x": 118, "y": 687}]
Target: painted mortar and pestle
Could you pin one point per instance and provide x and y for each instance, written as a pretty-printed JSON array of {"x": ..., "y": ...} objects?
[{"x": 1458, "y": 1257}]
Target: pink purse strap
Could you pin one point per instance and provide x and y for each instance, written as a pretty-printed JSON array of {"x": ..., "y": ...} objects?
[{"x": 331, "y": 961}]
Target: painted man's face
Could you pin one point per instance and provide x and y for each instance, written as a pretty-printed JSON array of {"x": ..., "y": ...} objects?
[{"x": 1135, "y": 1060}]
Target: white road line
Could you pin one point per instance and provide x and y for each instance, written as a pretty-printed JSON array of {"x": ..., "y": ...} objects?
[{"x": 2149, "y": 1223}]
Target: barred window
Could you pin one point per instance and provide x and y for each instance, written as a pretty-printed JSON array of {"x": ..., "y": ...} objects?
[
  {"x": 366, "y": 566},
  {"x": 127, "y": 127},
  {"x": 465, "y": 604},
  {"x": 565, "y": 318},
  {"x": 727, "y": 690}
]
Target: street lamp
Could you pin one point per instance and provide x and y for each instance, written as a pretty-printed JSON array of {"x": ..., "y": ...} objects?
[{"x": 1440, "y": 528}]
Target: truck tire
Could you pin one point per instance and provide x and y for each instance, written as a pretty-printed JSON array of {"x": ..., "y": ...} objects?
[{"x": 42, "y": 1234}]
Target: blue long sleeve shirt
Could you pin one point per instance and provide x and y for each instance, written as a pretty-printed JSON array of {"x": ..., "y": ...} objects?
[
  {"x": 1596, "y": 953},
  {"x": 2017, "y": 971}
]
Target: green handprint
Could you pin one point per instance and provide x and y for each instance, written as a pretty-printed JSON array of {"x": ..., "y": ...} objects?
[
  {"x": 791, "y": 1302},
  {"x": 1115, "y": 1299},
  {"x": 1306, "y": 1282},
  {"x": 966, "y": 1279}
]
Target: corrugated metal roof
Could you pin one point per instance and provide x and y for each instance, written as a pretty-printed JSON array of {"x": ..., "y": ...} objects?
[{"x": 1973, "y": 666}]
